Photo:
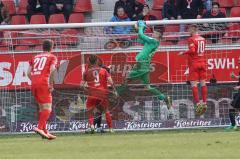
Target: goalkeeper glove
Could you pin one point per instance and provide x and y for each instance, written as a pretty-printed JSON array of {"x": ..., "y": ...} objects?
[{"x": 142, "y": 23}]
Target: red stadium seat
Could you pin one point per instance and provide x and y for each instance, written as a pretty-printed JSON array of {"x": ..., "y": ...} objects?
[
  {"x": 166, "y": 43},
  {"x": 225, "y": 41},
  {"x": 76, "y": 18},
  {"x": 83, "y": 6},
  {"x": 226, "y": 3},
  {"x": 22, "y": 8},
  {"x": 157, "y": 4},
  {"x": 235, "y": 12},
  {"x": 37, "y": 48},
  {"x": 182, "y": 42},
  {"x": 141, "y": 1},
  {"x": 18, "y": 19},
  {"x": 22, "y": 48},
  {"x": 3, "y": 48},
  {"x": 157, "y": 14},
  {"x": 38, "y": 19},
  {"x": 10, "y": 6},
  {"x": 234, "y": 30},
  {"x": 238, "y": 3},
  {"x": 172, "y": 28},
  {"x": 56, "y": 18}
]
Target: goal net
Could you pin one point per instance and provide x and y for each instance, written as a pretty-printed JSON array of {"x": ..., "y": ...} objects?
[{"x": 137, "y": 108}]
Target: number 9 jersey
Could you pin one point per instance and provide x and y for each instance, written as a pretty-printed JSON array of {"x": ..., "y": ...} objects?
[
  {"x": 41, "y": 65},
  {"x": 196, "y": 58}
]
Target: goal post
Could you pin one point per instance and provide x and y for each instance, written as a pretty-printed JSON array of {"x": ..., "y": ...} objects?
[{"x": 138, "y": 109}]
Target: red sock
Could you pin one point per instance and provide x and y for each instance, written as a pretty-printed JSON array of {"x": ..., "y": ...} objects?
[
  {"x": 204, "y": 93},
  {"x": 108, "y": 119},
  {"x": 40, "y": 121},
  {"x": 45, "y": 115},
  {"x": 90, "y": 119},
  {"x": 195, "y": 94}
]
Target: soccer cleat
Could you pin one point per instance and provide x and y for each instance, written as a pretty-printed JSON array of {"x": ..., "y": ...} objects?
[
  {"x": 231, "y": 127},
  {"x": 100, "y": 130},
  {"x": 90, "y": 130},
  {"x": 204, "y": 108},
  {"x": 50, "y": 136},
  {"x": 41, "y": 133},
  {"x": 111, "y": 130},
  {"x": 197, "y": 108}
]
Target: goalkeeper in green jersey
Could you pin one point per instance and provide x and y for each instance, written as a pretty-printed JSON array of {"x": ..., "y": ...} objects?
[{"x": 141, "y": 70}]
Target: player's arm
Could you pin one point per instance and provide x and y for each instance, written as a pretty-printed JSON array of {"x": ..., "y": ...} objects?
[
  {"x": 110, "y": 81},
  {"x": 51, "y": 78},
  {"x": 191, "y": 49},
  {"x": 29, "y": 72},
  {"x": 83, "y": 83},
  {"x": 141, "y": 27}
]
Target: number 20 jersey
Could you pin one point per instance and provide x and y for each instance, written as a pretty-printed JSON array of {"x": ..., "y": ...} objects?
[{"x": 41, "y": 65}]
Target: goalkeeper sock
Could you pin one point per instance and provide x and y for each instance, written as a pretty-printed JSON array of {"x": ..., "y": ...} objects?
[
  {"x": 98, "y": 120},
  {"x": 232, "y": 116},
  {"x": 195, "y": 94},
  {"x": 108, "y": 119},
  {"x": 204, "y": 93},
  {"x": 45, "y": 116}
]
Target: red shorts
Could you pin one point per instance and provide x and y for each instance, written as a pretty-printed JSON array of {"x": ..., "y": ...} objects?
[
  {"x": 92, "y": 102},
  {"x": 42, "y": 94},
  {"x": 197, "y": 71}
]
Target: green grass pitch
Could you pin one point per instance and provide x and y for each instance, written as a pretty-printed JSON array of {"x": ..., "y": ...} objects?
[{"x": 194, "y": 144}]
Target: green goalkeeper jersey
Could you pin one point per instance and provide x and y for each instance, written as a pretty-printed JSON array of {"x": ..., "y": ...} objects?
[{"x": 149, "y": 46}]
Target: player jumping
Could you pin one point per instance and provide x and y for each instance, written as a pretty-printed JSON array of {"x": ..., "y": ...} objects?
[
  {"x": 97, "y": 79},
  {"x": 40, "y": 72},
  {"x": 142, "y": 69},
  {"x": 197, "y": 68}
]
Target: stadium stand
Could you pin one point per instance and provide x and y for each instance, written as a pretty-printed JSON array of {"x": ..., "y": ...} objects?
[
  {"x": 18, "y": 19},
  {"x": 235, "y": 12},
  {"x": 10, "y": 6},
  {"x": 38, "y": 19},
  {"x": 157, "y": 14},
  {"x": 56, "y": 18},
  {"x": 76, "y": 18},
  {"x": 22, "y": 7},
  {"x": 157, "y": 4},
  {"x": 227, "y": 4},
  {"x": 83, "y": 6}
]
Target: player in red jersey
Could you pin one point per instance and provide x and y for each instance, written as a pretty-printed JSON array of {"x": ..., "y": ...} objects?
[
  {"x": 197, "y": 67},
  {"x": 40, "y": 72},
  {"x": 97, "y": 79}
]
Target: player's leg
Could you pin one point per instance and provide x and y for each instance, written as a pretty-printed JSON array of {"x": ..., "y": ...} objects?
[
  {"x": 45, "y": 114},
  {"x": 105, "y": 106},
  {"x": 42, "y": 95},
  {"x": 98, "y": 119},
  {"x": 193, "y": 78},
  {"x": 40, "y": 128},
  {"x": 91, "y": 103},
  {"x": 232, "y": 114},
  {"x": 202, "y": 77},
  {"x": 146, "y": 80},
  {"x": 134, "y": 74}
]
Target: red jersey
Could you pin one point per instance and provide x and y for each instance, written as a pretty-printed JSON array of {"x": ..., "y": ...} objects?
[
  {"x": 96, "y": 77},
  {"x": 41, "y": 65},
  {"x": 196, "y": 52}
]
